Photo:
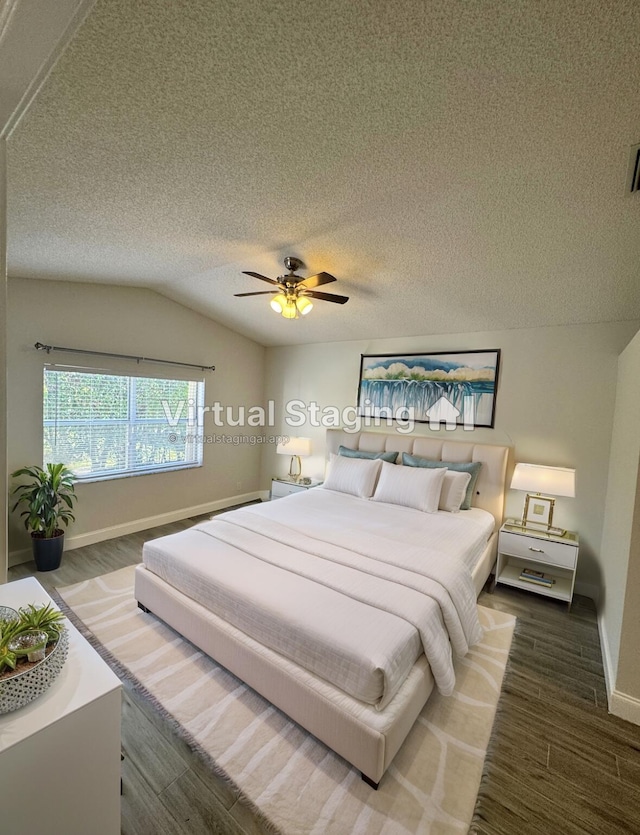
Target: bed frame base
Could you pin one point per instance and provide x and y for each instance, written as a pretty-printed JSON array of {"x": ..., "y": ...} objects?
[
  {"x": 353, "y": 730},
  {"x": 370, "y": 782},
  {"x": 364, "y": 777},
  {"x": 366, "y": 738}
]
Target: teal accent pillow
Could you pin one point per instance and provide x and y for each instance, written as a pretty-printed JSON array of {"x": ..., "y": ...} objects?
[
  {"x": 472, "y": 469},
  {"x": 390, "y": 457}
]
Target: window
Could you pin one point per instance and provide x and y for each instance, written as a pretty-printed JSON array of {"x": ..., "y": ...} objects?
[{"x": 103, "y": 425}]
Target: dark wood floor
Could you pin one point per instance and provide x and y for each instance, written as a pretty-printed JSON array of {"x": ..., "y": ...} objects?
[{"x": 559, "y": 763}]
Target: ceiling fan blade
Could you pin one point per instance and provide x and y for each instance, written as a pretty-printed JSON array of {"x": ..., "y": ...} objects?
[
  {"x": 316, "y": 280},
  {"x": 259, "y": 293},
  {"x": 327, "y": 297},
  {"x": 261, "y": 277}
]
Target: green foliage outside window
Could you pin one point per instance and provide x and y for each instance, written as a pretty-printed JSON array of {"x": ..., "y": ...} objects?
[{"x": 104, "y": 424}]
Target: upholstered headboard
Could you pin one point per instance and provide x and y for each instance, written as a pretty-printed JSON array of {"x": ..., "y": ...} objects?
[{"x": 490, "y": 487}]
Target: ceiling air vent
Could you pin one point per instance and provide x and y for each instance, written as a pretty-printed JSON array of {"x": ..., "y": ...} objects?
[{"x": 634, "y": 170}]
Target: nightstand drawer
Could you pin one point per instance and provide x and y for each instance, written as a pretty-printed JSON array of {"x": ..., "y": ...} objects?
[
  {"x": 532, "y": 548},
  {"x": 280, "y": 489}
]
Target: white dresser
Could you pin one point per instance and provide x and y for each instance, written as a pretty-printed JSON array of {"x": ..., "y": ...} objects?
[{"x": 60, "y": 754}]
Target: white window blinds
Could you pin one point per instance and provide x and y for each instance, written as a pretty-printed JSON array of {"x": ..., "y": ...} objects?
[{"x": 103, "y": 425}]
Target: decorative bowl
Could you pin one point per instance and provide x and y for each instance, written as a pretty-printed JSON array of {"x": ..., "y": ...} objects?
[{"x": 20, "y": 689}]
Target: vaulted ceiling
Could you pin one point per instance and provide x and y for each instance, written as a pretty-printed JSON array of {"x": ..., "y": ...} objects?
[{"x": 457, "y": 166}]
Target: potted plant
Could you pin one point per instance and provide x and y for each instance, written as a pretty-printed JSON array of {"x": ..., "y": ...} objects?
[{"x": 48, "y": 502}]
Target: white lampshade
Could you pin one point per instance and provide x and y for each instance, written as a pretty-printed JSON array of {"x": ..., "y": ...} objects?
[
  {"x": 295, "y": 446},
  {"x": 536, "y": 478}
]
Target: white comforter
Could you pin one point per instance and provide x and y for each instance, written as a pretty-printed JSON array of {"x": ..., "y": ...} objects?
[{"x": 352, "y": 590}]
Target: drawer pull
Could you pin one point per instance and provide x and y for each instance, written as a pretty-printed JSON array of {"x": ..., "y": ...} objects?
[{"x": 537, "y": 550}]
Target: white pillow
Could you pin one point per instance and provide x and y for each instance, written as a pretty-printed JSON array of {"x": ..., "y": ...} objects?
[
  {"x": 454, "y": 489},
  {"x": 416, "y": 487},
  {"x": 353, "y": 475}
]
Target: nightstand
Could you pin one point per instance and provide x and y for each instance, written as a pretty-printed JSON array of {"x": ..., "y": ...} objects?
[
  {"x": 281, "y": 487},
  {"x": 550, "y": 554}
]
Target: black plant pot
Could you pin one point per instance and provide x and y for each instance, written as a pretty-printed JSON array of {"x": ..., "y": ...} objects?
[{"x": 48, "y": 552}]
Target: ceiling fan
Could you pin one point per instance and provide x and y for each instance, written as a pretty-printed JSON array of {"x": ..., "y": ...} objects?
[{"x": 294, "y": 293}]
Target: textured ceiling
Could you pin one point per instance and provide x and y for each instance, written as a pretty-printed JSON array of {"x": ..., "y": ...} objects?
[{"x": 458, "y": 166}]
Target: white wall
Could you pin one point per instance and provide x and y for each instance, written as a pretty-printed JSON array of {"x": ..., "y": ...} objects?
[
  {"x": 626, "y": 696},
  {"x": 34, "y": 36},
  {"x": 619, "y": 559},
  {"x": 3, "y": 360},
  {"x": 136, "y": 322},
  {"x": 554, "y": 406}
]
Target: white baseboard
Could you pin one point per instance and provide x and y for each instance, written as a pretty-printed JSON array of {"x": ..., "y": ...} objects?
[
  {"x": 102, "y": 534},
  {"x": 18, "y": 557},
  {"x": 620, "y": 704},
  {"x": 609, "y": 672},
  {"x": 625, "y": 706}
]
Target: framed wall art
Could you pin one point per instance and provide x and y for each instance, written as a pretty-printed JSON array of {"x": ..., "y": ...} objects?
[{"x": 454, "y": 388}]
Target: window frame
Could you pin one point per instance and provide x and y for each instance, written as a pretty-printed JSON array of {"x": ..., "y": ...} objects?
[{"x": 194, "y": 430}]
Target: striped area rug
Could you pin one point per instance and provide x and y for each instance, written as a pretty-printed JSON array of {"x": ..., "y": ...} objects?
[{"x": 299, "y": 785}]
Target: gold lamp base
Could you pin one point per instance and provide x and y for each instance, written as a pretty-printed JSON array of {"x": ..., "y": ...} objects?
[{"x": 295, "y": 468}]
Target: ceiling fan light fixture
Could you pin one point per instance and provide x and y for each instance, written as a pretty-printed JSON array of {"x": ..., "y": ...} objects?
[
  {"x": 304, "y": 305},
  {"x": 278, "y": 303},
  {"x": 295, "y": 296}
]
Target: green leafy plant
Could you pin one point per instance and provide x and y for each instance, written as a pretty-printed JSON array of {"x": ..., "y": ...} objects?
[
  {"x": 8, "y": 631},
  {"x": 43, "y": 618},
  {"x": 48, "y": 499},
  {"x": 39, "y": 618}
]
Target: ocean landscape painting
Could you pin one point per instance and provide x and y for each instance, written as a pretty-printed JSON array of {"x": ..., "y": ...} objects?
[{"x": 451, "y": 388}]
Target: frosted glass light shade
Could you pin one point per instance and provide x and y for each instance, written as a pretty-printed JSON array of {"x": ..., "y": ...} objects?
[
  {"x": 290, "y": 311},
  {"x": 304, "y": 305},
  {"x": 536, "y": 478},
  {"x": 291, "y": 304},
  {"x": 278, "y": 302}
]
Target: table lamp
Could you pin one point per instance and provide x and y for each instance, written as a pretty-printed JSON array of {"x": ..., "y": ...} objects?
[
  {"x": 537, "y": 479},
  {"x": 295, "y": 447}
]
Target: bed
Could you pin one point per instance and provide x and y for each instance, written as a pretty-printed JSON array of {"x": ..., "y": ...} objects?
[{"x": 251, "y": 588}]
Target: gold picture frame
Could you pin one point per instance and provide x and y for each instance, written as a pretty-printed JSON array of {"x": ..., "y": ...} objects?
[{"x": 538, "y": 512}]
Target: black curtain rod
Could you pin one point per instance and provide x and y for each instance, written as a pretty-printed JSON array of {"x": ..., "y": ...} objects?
[{"x": 48, "y": 348}]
